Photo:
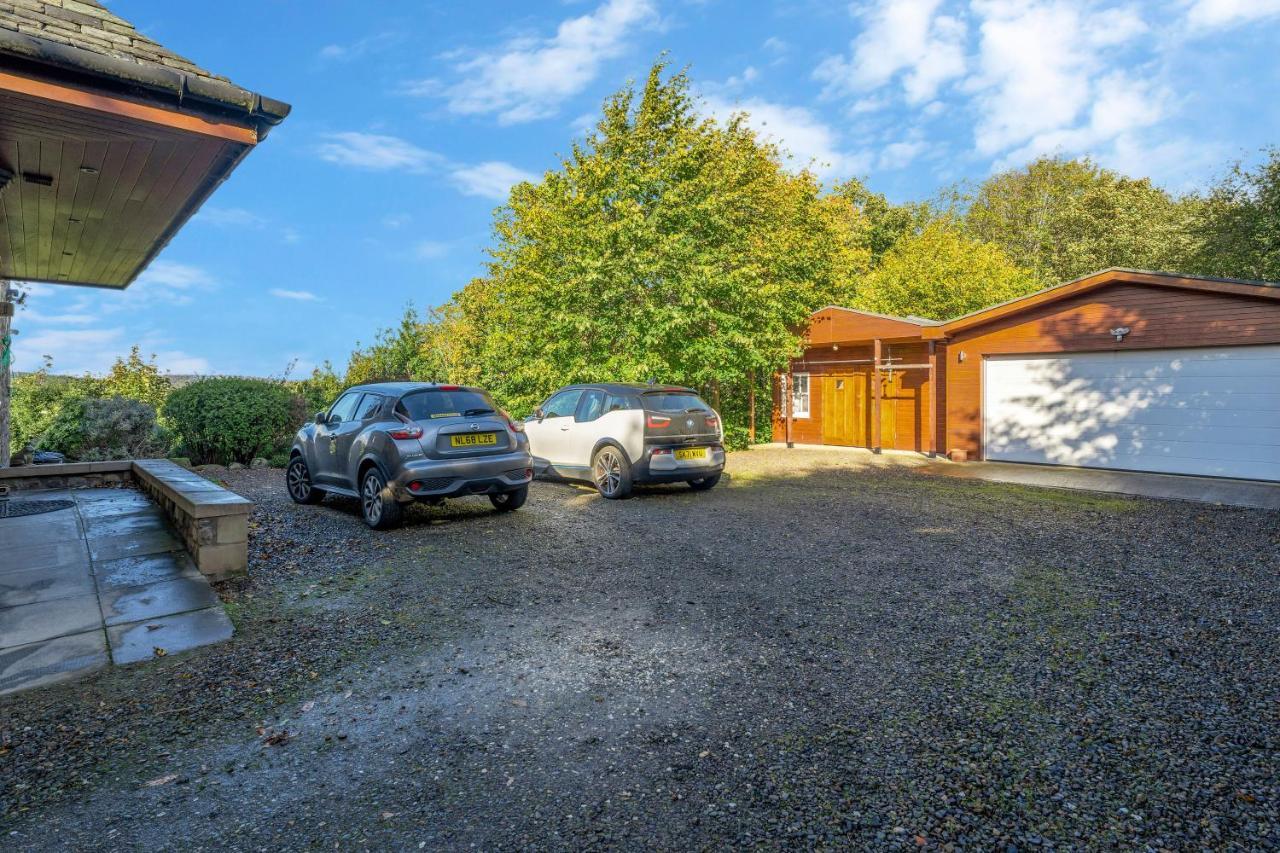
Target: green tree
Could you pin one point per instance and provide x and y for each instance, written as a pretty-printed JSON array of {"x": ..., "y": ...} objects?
[
  {"x": 138, "y": 379},
  {"x": 1062, "y": 219},
  {"x": 940, "y": 273},
  {"x": 876, "y": 224},
  {"x": 666, "y": 246},
  {"x": 1238, "y": 224}
]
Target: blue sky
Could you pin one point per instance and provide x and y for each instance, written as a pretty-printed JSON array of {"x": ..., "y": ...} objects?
[{"x": 411, "y": 121}]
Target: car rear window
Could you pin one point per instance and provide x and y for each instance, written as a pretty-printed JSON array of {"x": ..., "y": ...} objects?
[
  {"x": 673, "y": 401},
  {"x": 426, "y": 405}
]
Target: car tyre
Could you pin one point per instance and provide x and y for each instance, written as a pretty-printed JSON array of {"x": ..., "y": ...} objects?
[
  {"x": 297, "y": 479},
  {"x": 705, "y": 483},
  {"x": 611, "y": 473},
  {"x": 378, "y": 508},
  {"x": 508, "y": 501}
]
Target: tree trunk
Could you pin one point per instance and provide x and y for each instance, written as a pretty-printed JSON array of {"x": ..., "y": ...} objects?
[
  {"x": 6, "y": 356},
  {"x": 751, "y": 407},
  {"x": 715, "y": 394}
]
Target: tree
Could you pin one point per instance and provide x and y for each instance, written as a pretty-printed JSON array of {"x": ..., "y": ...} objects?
[
  {"x": 1062, "y": 219},
  {"x": 875, "y": 223},
  {"x": 1239, "y": 224},
  {"x": 137, "y": 379},
  {"x": 941, "y": 273},
  {"x": 666, "y": 246}
]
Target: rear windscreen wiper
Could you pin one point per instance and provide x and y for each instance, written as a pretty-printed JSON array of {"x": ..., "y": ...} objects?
[{"x": 471, "y": 413}]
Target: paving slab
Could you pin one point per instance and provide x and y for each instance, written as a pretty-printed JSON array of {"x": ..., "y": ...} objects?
[
  {"x": 101, "y": 509},
  {"x": 141, "y": 521},
  {"x": 1212, "y": 490},
  {"x": 132, "y": 544},
  {"x": 45, "y": 527},
  {"x": 44, "y": 620},
  {"x": 33, "y": 585},
  {"x": 44, "y": 555},
  {"x": 135, "y": 603},
  {"x": 137, "y": 571},
  {"x": 50, "y": 661},
  {"x": 138, "y": 641}
]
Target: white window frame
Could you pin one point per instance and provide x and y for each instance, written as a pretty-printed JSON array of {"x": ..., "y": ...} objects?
[{"x": 796, "y": 410}]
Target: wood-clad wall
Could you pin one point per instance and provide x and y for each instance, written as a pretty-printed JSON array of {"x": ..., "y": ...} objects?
[
  {"x": 905, "y": 403},
  {"x": 1158, "y": 317}
]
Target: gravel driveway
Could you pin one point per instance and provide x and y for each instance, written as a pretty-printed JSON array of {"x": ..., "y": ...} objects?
[{"x": 818, "y": 653}]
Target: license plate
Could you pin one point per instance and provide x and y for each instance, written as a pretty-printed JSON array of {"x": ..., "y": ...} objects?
[
  {"x": 474, "y": 439},
  {"x": 692, "y": 453}
]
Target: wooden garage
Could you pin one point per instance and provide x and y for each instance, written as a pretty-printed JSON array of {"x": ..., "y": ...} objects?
[{"x": 1123, "y": 369}]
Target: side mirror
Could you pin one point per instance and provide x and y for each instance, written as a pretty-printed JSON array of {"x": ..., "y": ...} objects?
[
  {"x": 320, "y": 418},
  {"x": 539, "y": 414}
]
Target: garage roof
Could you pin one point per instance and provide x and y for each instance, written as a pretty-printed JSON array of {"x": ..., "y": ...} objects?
[{"x": 1114, "y": 275}]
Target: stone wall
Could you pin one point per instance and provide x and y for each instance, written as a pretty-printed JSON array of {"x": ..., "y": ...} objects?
[{"x": 212, "y": 521}]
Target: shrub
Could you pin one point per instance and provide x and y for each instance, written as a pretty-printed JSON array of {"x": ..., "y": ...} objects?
[
  {"x": 224, "y": 419},
  {"x": 93, "y": 430},
  {"x": 37, "y": 400}
]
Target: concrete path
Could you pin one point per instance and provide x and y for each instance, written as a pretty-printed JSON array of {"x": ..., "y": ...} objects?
[
  {"x": 104, "y": 577},
  {"x": 1243, "y": 493}
]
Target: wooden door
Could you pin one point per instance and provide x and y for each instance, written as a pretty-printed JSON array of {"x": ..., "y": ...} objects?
[{"x": 843, "y": 405}]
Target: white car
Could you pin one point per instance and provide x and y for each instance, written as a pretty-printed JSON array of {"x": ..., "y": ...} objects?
[{"x": 615, "y": 435}]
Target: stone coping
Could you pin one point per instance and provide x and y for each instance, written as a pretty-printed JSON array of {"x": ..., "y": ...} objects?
[
  {"x": 65, "y": 469},
  {"x": 195, "y": 495}
]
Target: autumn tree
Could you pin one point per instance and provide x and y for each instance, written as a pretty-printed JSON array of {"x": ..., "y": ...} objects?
[
  {"x": 1238, "y": 225},
  {"x": 665, "y": 246},
  {"x": 1062, "y": 219},
  {"x": 941, "y": 273}
]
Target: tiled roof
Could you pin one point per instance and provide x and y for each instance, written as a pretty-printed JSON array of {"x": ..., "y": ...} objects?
[{"x": 90, "y": 26}]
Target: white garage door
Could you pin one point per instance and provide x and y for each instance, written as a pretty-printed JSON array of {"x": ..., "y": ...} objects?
[{"x": 1182, "y": 411}]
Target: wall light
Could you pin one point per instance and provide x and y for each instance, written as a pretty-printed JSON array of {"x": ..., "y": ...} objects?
[
  {"x": 1119, "y": 332},
  {"x": 960, "y": 356}
]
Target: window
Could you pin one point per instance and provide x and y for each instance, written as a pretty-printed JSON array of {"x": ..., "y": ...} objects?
[
  {"x": 368, "y": 407},
  {"x": 673, "y": 401},
  {"x": 562, "y": 405},
  {"x": 344, "y": 408},
  {"x": 619, "y": 404},
  {"x": 590, "y": 408},
  {"x": 433, "y": 404},
  {"x": 800, "y": 395}
]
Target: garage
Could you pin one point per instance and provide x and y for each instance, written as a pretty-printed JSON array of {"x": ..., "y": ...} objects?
[{"x": 1211, "y": 411}]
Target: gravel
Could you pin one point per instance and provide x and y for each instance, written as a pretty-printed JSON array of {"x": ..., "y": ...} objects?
[{"x": 821, "y": 652}]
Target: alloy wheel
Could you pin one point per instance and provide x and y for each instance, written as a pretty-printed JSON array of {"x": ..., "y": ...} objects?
[
  {"x": 608, "y": 472},
  {"x": 371, "y": 498},
  {"x": 298, "y": 479}
]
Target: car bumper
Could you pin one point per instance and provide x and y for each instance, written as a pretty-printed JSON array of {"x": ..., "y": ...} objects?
[
  {"x": 486, "y": 475},
  {"x": 665, "y": 468}
]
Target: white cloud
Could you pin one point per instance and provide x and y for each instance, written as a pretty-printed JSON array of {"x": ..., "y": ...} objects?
[
  {"x": 76, "y": 351},
  {"x": 376, "y": 152},
  {"x": 431, "y": 249},
  {"x": 1041, "y": 85},
  {"x": 899, "y": 155},
  {"x": 164, "y": 281},
  {"x": 1215, "y": 14},
  {"x": 797, "y": 131},
  {"x": 529, "y": 78},
  {"x": 229, "y": 217},
  {"x": 396, "y": 220},
  {"x": 295, "y": 295},
  {"x": 70, "y": 319},
  {"x": 493, "y": 179},
  {"x": 358, "y": 48},
  {"x": 906, "y": 37}
]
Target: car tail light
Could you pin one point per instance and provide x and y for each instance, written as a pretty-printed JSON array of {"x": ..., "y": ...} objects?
[
  {"x": 512, "y": 424},
  {"x": 448, "y": 387},
  {"x": 658, "y": 421},
  {"x": 713, "y": 421},
  {"x": 410, "y": 430},
  {"x": 415, "y": 486},
  {"x": 662, "y": 451}
]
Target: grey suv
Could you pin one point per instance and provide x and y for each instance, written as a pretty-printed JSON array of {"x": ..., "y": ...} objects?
[{"x": 392, "y": 443}]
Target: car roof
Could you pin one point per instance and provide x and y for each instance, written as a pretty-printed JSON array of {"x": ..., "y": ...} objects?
[
  {"x": 396, "y": 389},
  {"x": 625, "y": 387}
]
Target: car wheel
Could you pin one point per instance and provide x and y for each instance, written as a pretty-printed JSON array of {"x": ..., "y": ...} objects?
[
  {"x": 380, "y": 510},
  {"x": 611, "y": 473},
  {"x": 297, "y": 478},
  {"x": 705, "y": 483},
  {"x": 507, "y": 501}
]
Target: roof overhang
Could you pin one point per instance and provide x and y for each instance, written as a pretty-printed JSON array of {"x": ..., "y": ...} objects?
[
  {"x": 109, "y": 157},
  {"x": 836, "y": 325},
  {"x": 1105, "y": 278}
]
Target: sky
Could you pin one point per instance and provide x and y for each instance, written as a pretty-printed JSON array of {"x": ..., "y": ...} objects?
[{"x": 412, "y": 120}]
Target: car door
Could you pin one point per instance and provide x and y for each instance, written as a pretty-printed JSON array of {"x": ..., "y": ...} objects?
[
  {"x": 587, "y": 428},
  {"x": 329, "y": 468},
  {"x": 346, "y": 438},
  {"x": 549, "y": 435}
]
